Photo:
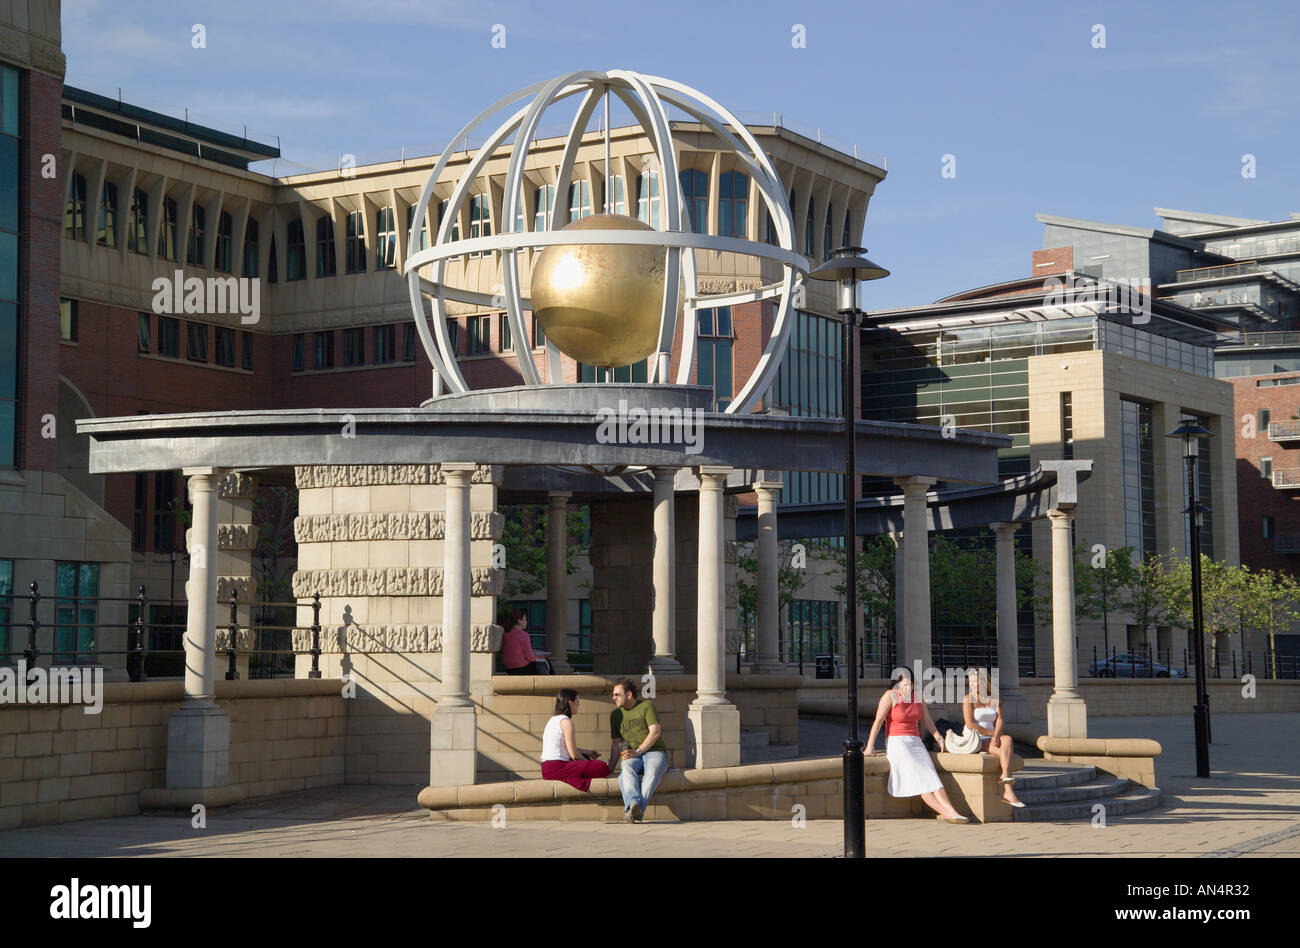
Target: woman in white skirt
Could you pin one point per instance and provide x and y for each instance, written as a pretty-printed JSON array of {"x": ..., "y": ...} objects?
[{"x": 911, "y": 772}]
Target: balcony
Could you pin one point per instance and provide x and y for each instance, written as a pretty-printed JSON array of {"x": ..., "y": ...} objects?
[
  {"x": 1289, "y": 478},
  {"x": 1286, "y": 543},
  {"x": 1283, "y": 431}
]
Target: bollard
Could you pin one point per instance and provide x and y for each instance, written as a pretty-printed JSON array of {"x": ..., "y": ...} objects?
[
  {"x": 231, "y": 673},
  {"x": 315, "y": 637},
  {"x": 33, "y": 624}
]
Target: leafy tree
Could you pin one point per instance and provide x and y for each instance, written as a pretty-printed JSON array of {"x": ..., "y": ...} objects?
[
  {"x": 1223, "y": 594},
  {"x": 1101, "y": 579},
  {"x": 524, "y": 539},
  {"x": 791, "y": 573},
  {"x": 1270, "y": 605}
]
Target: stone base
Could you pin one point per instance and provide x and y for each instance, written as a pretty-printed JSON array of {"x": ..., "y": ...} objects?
[
  {"x": 666, "y": 665},
  {"x": 772, "y": 667},
  {"x": 1015, "y": 708},
  {"x": 185, "y": 799},
  {"x": 1067, "y": 717},
  {"x": 198, "y": 748},
  {"x": 712, "y": 735},
  {"x": 453, "y": 745}
]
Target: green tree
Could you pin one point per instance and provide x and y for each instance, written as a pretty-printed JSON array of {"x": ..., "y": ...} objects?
[
  {"x": 1223, "y": 594},
  {"x": 524, "y": 539},
  {"x": 1269, "y": 605},
  {"x": 791, "y": 574},
  {"x": 1102, "y": 578}
]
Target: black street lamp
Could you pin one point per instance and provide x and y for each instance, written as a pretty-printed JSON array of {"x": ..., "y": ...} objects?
[
  {"x": 1192, "y": 433},
  {"x": 847, "y": 267}
]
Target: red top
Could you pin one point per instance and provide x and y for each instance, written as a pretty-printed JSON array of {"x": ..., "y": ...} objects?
[
  {"x": 904, "y": 719},
  {"x": 516, "y": 649}
]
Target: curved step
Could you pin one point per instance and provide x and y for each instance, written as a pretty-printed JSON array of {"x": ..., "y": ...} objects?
[
  {"x": 1094, "y": 790},
  {"x": 1136, "y": 802},
  {"x": 1043, "y": 778}
]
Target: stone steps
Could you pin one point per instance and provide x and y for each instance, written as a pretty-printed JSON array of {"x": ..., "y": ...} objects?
[
  {"x": 756, "y": 748},
  {"x": 1064, "y": 793}
]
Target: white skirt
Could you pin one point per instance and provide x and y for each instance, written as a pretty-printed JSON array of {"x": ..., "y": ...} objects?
[{"x": 911, "y": 772}]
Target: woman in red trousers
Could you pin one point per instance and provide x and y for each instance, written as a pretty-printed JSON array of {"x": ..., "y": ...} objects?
[{"x": 562, "y": 758}]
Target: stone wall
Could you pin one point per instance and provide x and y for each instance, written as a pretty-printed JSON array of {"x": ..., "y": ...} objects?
[{"x": 59, "y": 764}]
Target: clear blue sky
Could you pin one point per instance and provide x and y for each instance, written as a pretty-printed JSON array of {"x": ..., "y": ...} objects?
[{"x": 1036, "y": 117}]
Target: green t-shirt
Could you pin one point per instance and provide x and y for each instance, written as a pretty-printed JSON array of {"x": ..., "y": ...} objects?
[{"x": 633, "y": 725}]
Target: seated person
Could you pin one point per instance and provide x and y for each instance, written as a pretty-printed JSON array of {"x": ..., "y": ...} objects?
[
  {"x": 562, "y": 758},
  {"x": 636, "y": 739},
  {"x": 517, "y": 655}
]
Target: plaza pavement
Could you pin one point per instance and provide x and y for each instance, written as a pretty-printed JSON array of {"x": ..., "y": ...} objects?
[{"x": 1250, "y": 807}]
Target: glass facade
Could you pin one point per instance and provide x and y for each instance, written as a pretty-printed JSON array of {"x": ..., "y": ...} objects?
[
  {"x": 6, "y": 608},
  {"x": 810, "y": 383},
  {"x": 1204, "y": 483},
  {"x": 76, "y": 610},
  {"x": 10, "y": 228},
  {"x": 1138, "y": 450},
  {"x": 812, "y": 628}
]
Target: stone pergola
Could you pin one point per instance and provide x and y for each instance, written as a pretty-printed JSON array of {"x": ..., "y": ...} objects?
[{"x": 543, "y": 445}]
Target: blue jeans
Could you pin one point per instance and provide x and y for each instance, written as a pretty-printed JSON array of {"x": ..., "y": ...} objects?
[{"x": 639, "y": 776}]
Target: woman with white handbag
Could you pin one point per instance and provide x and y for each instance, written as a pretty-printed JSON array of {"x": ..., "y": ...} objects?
[
  {"x": 983, "y": 715},
  {"x": 911, "y": 772}
]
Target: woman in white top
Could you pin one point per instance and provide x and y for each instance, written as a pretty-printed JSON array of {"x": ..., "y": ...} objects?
[
  {"x": 562, "y": 758},
  {"x": 983, "y": 714}
]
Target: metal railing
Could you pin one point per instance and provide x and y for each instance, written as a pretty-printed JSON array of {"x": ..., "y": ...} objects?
[
  {"x": 1283, "y": 429},
  {"x": 1286, "y": 543},
  {"x": 1214, "y": 273},
  {"x": 1286, "y": 478}
]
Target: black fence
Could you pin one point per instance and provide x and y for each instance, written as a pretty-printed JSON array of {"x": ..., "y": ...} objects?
[{"x": 68, "y": 630}]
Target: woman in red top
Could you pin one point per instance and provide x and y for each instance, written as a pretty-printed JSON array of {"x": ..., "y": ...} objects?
[
  {"x": 517, "y": 653},
  {"x": 911, "y": 772}
]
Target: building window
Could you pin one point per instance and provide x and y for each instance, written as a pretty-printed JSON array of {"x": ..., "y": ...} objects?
[
  {"x": 74, "y": 213},
  {"x": 106, "y": 232},
  {"x": 579, "y": 200},
  {"x": 1262, "y": 417},
  {"x": 827, "y": 239},
  {"x": 295, "y": 262},
  {"x": 355, "y": 247},
  {"x": 1139, "y": 484},
  {"x": 812, "y": 628},
  {"x": 695, "y": 186},
  {"x": 250, "y": 249},
  {"x": 246, "y": 355},
  {"x": 196, "y": 342},
  {"x": 225, "y": 346},
  {"x": 225, "y": 225},
  {"x": 325, "y": 350},
  {"x": 140, "y": 512},
  {"x": 808, "y": 227},
  {"x": 455, "y": 224},
  {"x": 648, "y": 200},
  {"x": 6, "y": 607},
  {"x": 142, "y": 344},
  {"x": 194, "y": 247},
  {"x": 733, "y": 204},
  {"x": 137, "y": 234},
  {"x": 713, "y": 363},
  {"x": 423, "y": 240},
  {"x": 354, "y": 346},
  {"x": 272, "y": 263},
  {"x": 68, "y": 320},
  {"x": 504, "y": 335},
  {"x": 166, "y": 499},
  {"x": 1067, "y": 426},
  {"x": 167, "y": 230},
  {"x": 453, "y": 334},
  {"x": 1266, "y": 468},
  {"x": 76, "y": 610},
  {"x": 1268, "y": 528},
  {"x": 543, "y": 207},
  {"x": 169, "y": 335},
  {"x": 619, "y": 205},
  {"x": 408, "y": 343},
  {"x": 480, "y": 219},
  {"x": 385, "y": 344},
  {"x": 386, "y": 242},
  {"x": 539, "y": 335},
  {"x": 480, "y": 335},
  {"x": 847, "y": 240},
  {"x": 326, "y": 262},
  {"x": 299, "y": 345},
  {"x": 10, "y": 214},
  {"x": 770, "y": 232}
]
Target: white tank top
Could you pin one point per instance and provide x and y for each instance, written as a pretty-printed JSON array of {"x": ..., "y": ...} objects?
[
  {"x": 986, "y": 718},
  {"x": 553, "y": 740}
]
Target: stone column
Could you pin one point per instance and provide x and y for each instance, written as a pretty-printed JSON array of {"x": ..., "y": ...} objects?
[
  {"x": 1067, "y": 714},
  {"x": 557, "y": 581},
  {"x": 1015, "y": 706},
  {"x": 900, "y": 606},
  {"x": 452, "y": 739},
  {"x": 236, "y": 540},
  {"x": 664, "y": 589},
  {"x": 768, "y": 579},
  {"x": 915, "y": 645},
  {"x": 712, "y": 723},
  {"x": 198, "y": 733}
]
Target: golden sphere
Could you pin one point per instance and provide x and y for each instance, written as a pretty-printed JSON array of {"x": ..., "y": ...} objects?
[{"x": 601, "y": 303}]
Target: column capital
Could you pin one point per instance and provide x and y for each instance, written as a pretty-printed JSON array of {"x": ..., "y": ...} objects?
[
  {"x": 558, "y": 498},
  {"x": 663, "y": 471},
  {"x": 458, "y": 467},
  {"x": 915, "y": 485},
  {"x": 1060, "y": 517},
  {"x": 714, "y": 474},
  {"x": 203, "y": 471},
  {"x": 1005, "y": 529},
  {"x": 772, "y": 487}
]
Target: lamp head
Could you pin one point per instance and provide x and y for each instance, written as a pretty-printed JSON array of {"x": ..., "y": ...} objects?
[
  {"x": 847, "y": 267},
  {"x": 1192, "y": 432}
]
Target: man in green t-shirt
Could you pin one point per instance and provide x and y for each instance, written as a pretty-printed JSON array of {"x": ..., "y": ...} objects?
[{"x": 637, "y": 743}]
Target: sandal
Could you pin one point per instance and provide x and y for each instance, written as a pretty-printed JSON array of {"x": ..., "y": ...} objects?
[
  {"x": 952, "y": 819},
  {"x": 1006, "y": 780}
]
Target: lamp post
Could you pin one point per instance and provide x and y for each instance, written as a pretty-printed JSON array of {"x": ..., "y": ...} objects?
[
  {"x": 1192, "y": 433},
  {"x": 847, "y": 267}
]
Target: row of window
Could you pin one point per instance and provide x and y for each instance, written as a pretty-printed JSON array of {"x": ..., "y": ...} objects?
[
  {"x": 76, "y": 612},
  {"x": 383, "y": 342},
  {"x": 10, "y": 217}
]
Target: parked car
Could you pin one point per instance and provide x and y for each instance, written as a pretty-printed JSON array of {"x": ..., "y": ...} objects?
[{"x": 1133, "y": 665}]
